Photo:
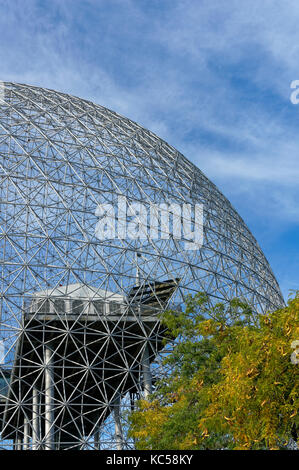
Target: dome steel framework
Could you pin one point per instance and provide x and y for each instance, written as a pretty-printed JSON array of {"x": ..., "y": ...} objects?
[{"x": 80, "y": 333}]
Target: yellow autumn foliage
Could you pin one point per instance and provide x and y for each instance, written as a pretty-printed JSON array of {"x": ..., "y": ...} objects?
[{"x": 242, "y": 394}]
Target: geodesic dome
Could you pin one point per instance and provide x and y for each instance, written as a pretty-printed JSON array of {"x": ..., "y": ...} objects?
[{"x": 86, "y": 309}]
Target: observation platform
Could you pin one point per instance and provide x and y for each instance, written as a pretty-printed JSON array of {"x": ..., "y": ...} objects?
[{"x": 80, "y": 351}]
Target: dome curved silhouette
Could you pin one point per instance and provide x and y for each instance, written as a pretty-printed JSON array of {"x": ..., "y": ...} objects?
[{"x": 62, "y": 156}]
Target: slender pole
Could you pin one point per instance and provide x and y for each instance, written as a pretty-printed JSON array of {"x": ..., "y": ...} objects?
[
  {"x": 147, "y": 376},
  {"x": 17, "y": 443},
  {"x": 35, "y": 418},
  {"x": 137, "y": 269},
  {"x": 49, "y": 399},
  {"x": 132, "y": 402},
  {"x": 118, "y": 428},
  {"x": 26, "y": 434},
  {"x": 96, "y": 437}
]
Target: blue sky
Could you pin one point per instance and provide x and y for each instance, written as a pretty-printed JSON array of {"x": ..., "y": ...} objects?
[{"x": 211, "y": 77}]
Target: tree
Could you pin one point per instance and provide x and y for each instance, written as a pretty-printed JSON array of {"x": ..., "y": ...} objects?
[{"x": 233, "y": 384}]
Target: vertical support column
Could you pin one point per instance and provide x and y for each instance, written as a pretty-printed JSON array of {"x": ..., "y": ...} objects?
[
  {"x": 146, "y": 370},
  {"x": 97, "y": 433},
  {"x": 49, "y": 398},
  {"x": 138, "y": 255},
  {"x": 26, "y": 434},
  {"x": 118, "y": 428},
  {"x": 17, "y": 444},
  {"x": 35, "y": 418},
  {"x": 132, "y": 401},
  {"x": 96, "y": 438}
]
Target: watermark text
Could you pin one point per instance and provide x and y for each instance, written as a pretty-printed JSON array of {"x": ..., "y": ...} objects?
[{"x": 134, "y": 220}]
